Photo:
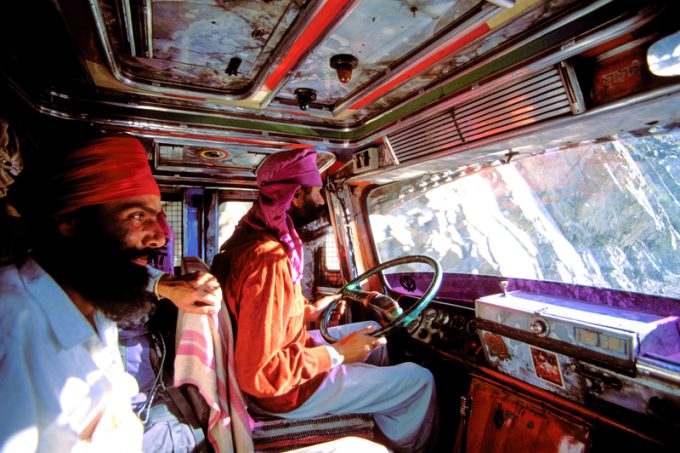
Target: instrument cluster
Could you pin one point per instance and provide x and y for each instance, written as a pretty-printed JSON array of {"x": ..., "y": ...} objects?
[{"x": 449, "y": 328}]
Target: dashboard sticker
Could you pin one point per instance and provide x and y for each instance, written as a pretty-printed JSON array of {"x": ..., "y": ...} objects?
[
  {"x": 547, "y": 366},
  {"x": 496, "y": 346}
]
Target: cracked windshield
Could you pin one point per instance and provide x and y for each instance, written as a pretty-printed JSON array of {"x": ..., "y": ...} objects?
[{"x": 602, "y": 214}]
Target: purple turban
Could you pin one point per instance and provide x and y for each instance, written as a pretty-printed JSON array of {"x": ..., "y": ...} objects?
[{"x": 278, "y": 178}]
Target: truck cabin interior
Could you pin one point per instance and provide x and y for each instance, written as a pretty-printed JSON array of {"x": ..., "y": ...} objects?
[{"x": 524, "y": 154}]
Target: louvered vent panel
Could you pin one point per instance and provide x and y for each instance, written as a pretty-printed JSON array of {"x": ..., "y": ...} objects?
[{"x": 528, "y": 101}]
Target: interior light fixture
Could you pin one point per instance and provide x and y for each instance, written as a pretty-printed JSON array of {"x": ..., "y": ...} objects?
[
  {"x": 344, "y": 64},
  {"x": 305, "y": 97}
]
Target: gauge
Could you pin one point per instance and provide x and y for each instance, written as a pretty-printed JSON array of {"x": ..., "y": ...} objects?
[
  {"x": 459, "y": 322},
  {"x": 472, "y": 327},
  {"x": 413, "y": 325},
  {"x": 444, "y": 319},
  {"x": 430, "y": 314}
]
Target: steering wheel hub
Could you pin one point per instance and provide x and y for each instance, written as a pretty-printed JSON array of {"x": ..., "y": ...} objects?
[{"x": 387, "y": 306}]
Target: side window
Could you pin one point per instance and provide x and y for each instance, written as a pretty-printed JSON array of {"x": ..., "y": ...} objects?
[
  {"x": 327, "y": 268},
  {"x": 175, "y": 214},
  {"x": 331, "y": 262},
  {"x": 230, "y": 213},
  {"x": 328, "y": 263}
]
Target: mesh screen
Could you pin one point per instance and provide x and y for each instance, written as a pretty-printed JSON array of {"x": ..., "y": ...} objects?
[{"x": 175, "y": 214}]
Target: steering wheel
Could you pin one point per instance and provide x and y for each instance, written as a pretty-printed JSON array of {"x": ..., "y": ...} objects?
[{"x": 400, "y": 317}]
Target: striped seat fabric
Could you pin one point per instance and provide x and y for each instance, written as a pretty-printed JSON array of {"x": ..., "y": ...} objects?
[{"x": 280, "y": 434}]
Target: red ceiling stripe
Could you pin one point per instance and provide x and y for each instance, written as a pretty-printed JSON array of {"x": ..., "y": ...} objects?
[
  {"x": 315, "y": 28},
  {"x": 421, "y": 66}
]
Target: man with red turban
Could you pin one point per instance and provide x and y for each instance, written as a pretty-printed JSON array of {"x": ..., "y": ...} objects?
[
  {"x": 284, "y": 369},
  {"x": 95, "y": 220}
]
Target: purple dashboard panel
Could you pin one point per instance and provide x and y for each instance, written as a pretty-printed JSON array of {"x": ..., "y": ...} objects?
[
  {"x": 582, "y": 350},
  {"x": 466, "y": 287}
]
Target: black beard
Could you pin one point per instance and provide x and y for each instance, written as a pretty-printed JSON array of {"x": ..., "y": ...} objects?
[
  {"x": 307, "y": 214},
  {"x": 312, "y": 229},
  {"x": 97, "y": 266}
]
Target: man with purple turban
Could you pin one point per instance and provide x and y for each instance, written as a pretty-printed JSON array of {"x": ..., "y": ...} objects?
[{"x": 284, "y": 369}]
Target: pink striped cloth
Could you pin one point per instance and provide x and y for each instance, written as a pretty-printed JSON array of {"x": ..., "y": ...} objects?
[{"x": 204, "y": 344}]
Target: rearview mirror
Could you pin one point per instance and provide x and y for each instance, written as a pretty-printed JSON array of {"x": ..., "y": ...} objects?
[{"x": 663, "y": 57}]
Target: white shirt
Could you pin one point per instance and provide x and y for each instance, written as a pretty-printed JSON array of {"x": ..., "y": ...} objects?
[{"x": 63, "y": 384}]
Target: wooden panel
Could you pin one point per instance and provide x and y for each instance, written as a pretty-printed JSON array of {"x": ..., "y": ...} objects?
[{"x": 502, "y": 421}]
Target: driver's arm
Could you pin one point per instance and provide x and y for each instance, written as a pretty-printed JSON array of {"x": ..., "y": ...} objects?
[
  {"x": 314, "y": 311},
  {"x": 272, "y": 352}
]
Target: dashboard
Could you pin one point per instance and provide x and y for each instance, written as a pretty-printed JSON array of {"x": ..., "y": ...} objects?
[{"x": 450, "y": 329}]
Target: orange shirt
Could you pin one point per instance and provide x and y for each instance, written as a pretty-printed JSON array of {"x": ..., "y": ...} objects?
[{"x": 276, "y": 361}]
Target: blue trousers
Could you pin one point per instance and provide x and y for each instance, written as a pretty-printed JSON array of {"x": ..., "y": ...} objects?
[
  {"x": 168, "y": 432},
  {"x": 401, "y": 398}
]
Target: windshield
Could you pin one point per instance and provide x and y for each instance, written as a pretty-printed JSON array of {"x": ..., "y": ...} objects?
[{"x": 602, "y": 213}]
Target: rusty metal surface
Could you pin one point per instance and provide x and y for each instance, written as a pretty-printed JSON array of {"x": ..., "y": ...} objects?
[{"x": 503, "y": 422}]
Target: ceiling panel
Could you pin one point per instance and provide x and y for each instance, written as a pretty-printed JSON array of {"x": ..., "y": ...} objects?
[
  {"x": 205, "y": 45},
  {"x": 379, "y": 34}
]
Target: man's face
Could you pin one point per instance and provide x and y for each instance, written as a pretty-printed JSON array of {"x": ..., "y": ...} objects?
[
  {"x": 135, "y": 225},
  {"x": 104, "y": 258},
  {"x": 308, "y": 206}
]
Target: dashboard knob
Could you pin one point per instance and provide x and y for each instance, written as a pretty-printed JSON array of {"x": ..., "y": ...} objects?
[{"x": 539, "y": 326}]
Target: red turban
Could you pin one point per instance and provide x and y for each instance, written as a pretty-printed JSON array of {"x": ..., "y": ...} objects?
[
  {"x": 105, "y": 170},
  {"x": 278, "y": 178}
]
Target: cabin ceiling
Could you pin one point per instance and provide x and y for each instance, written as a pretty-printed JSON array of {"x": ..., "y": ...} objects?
[
  {"x": 241, "y": 65},
  {"x": 229, "y": 73}
]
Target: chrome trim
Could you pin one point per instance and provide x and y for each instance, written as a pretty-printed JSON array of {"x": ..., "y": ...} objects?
[
  {"x": 305, "y": 15},
  {"x": 345, "y": 255},
  {"x": 543, "y": 132},
  {"x": 658, "y": 370},
  {"x": 343, "y": 16},
  {"x": 169, "y": 140},
  {"x": 487, "y": 12},
  {"x": 195, "y": 112},
  {"x": 277, "y": 54},
  {"x": 568, "y": 50},
  {"x": 149, "y": 27},
  {"x": 524, "y": 102},
  {"x": 572, "y": 48},
  {"x": 503, "y": 3},
  {"x": 125, "y": 5},
  {"x": 576, "y": 100},
  {"x": 277, "y": 105},
  {"x": 217, "y": 130},
  {"x": 199, "y": 140},
  {"x": 627, "y": 46},
  {"x": 223, "y": 172},
  {"x": 193, "y": 181}
]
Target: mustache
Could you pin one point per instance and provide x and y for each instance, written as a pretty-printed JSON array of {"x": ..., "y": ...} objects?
[{"x": 149, "y": 253}]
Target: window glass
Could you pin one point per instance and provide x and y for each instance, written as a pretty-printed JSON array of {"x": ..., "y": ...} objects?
[
  {"x": 175, "y": 215},
  {"x": 230, "y": 213},
  {"x": 602, "y": 214},
  {"x": 331, "y": 260}
]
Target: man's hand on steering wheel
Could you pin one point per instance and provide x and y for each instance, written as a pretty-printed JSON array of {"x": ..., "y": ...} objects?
[
  {"x": 395, "y": 316},
  {"x": 314, "y": 311},
  {"x": 356, "y": 346}
]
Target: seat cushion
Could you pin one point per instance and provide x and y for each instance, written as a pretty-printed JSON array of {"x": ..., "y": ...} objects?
[{"x": 282, "y": 434}]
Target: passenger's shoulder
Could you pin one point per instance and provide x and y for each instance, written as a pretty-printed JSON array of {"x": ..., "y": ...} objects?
[
  {"x": 14, "y": 306},
  {"x": 12, "y": 289}
]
